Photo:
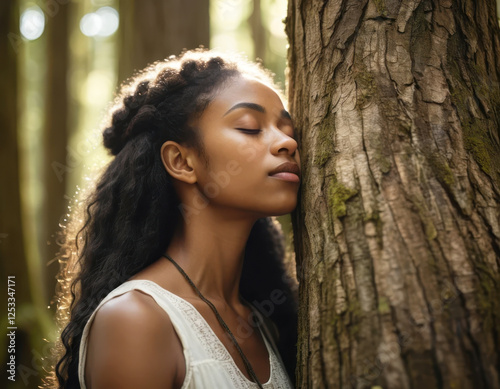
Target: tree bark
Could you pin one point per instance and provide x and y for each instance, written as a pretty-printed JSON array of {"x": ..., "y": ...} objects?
[
  {"x": 154, "y": 29},
  {"x": 397, "y": 235}
]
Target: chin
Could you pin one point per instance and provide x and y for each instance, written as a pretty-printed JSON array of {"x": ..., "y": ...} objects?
[{"x": 283, "y": 209}]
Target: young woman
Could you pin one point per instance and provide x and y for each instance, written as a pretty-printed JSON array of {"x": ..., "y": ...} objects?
[{"x": 181, "y": 282}]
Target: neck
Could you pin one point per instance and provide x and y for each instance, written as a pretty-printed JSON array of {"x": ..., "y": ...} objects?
[{"x": 210, "y": 249}]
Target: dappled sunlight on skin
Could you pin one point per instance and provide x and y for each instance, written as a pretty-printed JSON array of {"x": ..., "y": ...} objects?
[{"x": 246, "y": 133}]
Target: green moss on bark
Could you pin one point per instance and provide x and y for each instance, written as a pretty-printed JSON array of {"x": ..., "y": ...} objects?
[
  {"x": 354, "y": 315},
  {"x": 338, "y": 194},
  {"x": 442, "y": 170},
  {"x": 475, "y": 131},
  {"x": 429, "y": 227},
  {"x": 477, "y": 144},
  {"x": 489, "y": 297},
  {"x": 324, "y": 145},
  {"x": 478, "y": 132},
  {"x": 365, "y": 82},
  {"x": 383, "y": 305},
  {"x": 366, "y": 85},
  {"x": 372, "y": 216},
  {"x": 381, "y": 7},
  {"x": 383, "y": 162},
  {"x": 349, "y": 319}
]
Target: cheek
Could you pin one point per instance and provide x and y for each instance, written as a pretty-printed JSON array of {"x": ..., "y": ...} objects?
[
  {"x": 236, "y": 167},
  {"x": 250, "y": 152},
  {"x": 226, "y": 177},
  {"x": 239, "y": 156}
]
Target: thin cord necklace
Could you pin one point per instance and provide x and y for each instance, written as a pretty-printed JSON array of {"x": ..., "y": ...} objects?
[{"x": 221, "y": 321}]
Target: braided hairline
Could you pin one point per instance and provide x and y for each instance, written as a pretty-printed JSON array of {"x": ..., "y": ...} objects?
[{"x": 169, "y": 92}]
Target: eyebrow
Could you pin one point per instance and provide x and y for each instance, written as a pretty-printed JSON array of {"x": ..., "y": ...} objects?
[{"x": 256, "y": 107}]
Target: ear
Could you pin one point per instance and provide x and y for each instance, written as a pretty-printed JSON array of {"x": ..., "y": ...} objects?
[{"x": 178, "y": 161}]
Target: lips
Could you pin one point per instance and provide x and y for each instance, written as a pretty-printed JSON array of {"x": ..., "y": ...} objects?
[{"x": 287, "y": 167}]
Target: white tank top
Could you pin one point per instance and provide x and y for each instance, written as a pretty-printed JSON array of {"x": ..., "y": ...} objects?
[{"x": 208, "y": 363}]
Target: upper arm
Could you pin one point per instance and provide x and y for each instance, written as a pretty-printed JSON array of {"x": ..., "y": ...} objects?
[{"x": 132, "y": 344}]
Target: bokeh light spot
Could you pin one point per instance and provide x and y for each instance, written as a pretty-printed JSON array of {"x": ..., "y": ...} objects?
[
  {"x": 32, "y": 23},
  {"x": 103, "y": 22}
]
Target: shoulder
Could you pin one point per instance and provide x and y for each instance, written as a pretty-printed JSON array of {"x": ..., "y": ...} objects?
[
  {"x": 132, "y": 343},
  {"x": 133, "y": 311}
]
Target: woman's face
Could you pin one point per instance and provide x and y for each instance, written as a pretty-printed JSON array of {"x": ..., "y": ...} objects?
[{"x": 247, "y": 134}]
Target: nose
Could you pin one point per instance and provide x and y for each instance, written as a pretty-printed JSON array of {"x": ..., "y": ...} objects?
[{"x": 283, "y": 142}]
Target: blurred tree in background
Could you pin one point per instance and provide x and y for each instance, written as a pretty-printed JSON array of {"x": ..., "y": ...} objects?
[
  {"x": 62, "y": 61},
  {"x": 55, "y": 135},
  {"x": 159, "y": 29},
  {"x": 12, "y": 245}
]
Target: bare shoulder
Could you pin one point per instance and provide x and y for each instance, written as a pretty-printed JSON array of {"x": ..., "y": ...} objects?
[{"x": 132, "y": 343}]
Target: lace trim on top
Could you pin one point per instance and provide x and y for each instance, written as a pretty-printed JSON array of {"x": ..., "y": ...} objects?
[{"x": 216, "y": 349}]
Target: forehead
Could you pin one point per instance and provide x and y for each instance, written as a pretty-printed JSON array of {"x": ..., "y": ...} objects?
[{"x": 243, "y": 89}]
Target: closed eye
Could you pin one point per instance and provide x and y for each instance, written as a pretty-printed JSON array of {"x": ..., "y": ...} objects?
[{"x": 250, "y": 130}]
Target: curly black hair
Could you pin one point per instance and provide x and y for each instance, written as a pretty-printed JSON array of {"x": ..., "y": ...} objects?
[{"x": 132, "y": 212}]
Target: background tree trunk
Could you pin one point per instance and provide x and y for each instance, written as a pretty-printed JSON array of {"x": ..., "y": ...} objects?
[
  {"x": 155, "y": 29},
  {"x": 259, "y": 32},
  {"x": 11, "y": 236},
  {"x": 397, "y": 105},
  {"x": 55, "y": 140},
  {"x": 12, "y": 253}
]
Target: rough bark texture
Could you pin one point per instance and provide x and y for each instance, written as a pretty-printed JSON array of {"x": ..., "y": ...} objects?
[
  {"x": 397, "y": 106},
  {"x": 155, "y": 29}
]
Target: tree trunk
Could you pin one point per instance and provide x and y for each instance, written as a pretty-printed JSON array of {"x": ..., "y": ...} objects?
[
  {"x": 11, "y": 236},
  {"x": 397, "y": 106},
  {"x": 55, "y": 138},
  {"x": 14, "y": 268},
  {"x": 259, "y": 32},
  {"x": 155, "y": 29}
]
